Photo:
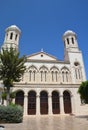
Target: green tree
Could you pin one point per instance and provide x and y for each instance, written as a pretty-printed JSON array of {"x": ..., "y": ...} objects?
[
  {"x": 83, "y": 91},
  {"x": 11, "y": 69},
  {"x": 12, "y": 96}
]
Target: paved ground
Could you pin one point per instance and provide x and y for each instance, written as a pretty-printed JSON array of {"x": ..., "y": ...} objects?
[{"x": 50, "y": 123}]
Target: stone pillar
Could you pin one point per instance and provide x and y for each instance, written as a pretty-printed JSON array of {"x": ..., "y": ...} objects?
[
  {"x": 61, "y": 104},
  {"x": 38, "y": 104},
  {"x": 25, "y": 104},
  {"x": 13, "y": 101},
  {"x": 50, "y": 105},
  {"x": 72, "y": 104}
]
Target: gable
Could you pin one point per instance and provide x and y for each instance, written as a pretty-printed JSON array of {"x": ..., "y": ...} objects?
[{"x": 41, "y": 56}]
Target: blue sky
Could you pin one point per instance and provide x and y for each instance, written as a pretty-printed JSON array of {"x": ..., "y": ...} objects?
[{"x": 43, "y": 23}]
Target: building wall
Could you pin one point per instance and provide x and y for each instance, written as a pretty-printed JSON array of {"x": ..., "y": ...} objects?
[
  {"x": 49, "y": 85},
  {"x": 72, "y": 89},
  {"x": 46, "y": 73}
]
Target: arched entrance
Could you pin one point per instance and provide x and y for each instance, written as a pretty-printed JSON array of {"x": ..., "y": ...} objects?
[
  {"x": 67, "y": 102},
  {"x": 19, "y": 98},
  {"x": 43, "y": 102},
  {"x": 55, "y": 102},
  {"x": 31, "y": 103}
]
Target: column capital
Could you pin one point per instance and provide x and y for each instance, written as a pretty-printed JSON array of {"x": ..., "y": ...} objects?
[
  {"x": 49, "y": 95},
  {"x": 25, "y": 95},
  {"x": 61, "y": 95},
  {"x": 38, "y": 95}
]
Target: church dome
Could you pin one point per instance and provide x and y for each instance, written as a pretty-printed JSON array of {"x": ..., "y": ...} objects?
[
  {"x": 13, "y": 28},
  {"x": 69, "y": 32}
]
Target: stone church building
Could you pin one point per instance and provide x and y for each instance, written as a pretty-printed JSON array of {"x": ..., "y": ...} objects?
[{"x": 49, "y": 86}]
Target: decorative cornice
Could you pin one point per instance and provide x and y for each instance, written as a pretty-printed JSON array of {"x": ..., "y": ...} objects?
[
  {"x": 47, "y": 85},
  {"x": 49, "y": 61}
]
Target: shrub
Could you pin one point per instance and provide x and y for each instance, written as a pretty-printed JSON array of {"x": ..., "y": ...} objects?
[
  {"x": 11, "y": 114},
  {"x": 83, "y": 91}
]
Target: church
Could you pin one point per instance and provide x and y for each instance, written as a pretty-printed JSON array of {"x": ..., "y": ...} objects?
[{"x": 49, "y": 86}]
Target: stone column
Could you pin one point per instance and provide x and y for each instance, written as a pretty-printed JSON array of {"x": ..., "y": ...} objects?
[
  {"x": 50, "y": 105},
  {"x": 61, "y": 104},
  {"x": 25, "y": 104},
  {"x": 13, "y": 101},
  {"x": 72, "y": 104},
  {"x": 38, "y": 104}
]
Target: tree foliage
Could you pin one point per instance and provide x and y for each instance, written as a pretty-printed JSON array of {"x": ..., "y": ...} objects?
[
  {"x": 83, "y": 91},
  {"x": 11, "y": 114},
  {"x": 11, "y": 68},
  {"x": 12, "y": 95}
]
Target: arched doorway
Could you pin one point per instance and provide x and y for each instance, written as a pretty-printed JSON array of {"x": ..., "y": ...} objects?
[
  {"x": 32, "y": 103},
  {"x": 19, "y": 98},
  {"x": 43, "y": 102},
  {"x": 55, "y": 102},
  {"x": 67, "y": 102}
]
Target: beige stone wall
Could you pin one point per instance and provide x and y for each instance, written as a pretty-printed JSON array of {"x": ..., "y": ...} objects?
[
  {"x": 72, "y": 89},
  {"x": 33, "y": 74}
]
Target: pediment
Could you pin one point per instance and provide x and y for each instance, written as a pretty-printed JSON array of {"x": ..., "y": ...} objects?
[{"x": 42, "y": 56}]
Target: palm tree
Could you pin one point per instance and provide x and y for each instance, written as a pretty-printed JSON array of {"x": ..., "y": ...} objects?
[
  {"x": 83, "y": 91},
  {"x": 11, "y": 69}
]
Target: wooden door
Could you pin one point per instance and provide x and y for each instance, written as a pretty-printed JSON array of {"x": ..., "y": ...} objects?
[
  {"x": 31, "y": 103},
  {"x": 67, "y": 102},
  {"x": 19, "y": 98},
  {"x": 55, "y": 102},
  {"x": 43, "y": 102}
]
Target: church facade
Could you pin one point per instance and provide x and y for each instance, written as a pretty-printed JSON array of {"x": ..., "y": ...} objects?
[{"x": 49, "y": 86}]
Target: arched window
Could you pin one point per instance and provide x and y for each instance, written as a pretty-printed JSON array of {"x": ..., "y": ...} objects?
[
  {"x": 43, "y": 72},
  {"x": 31, "y": 103},
  {"x": 68, "y": 41},
  {"x": 34, "y": 75},
  {"x": 45, "y": 75},
  {"x": 65, "y": 75},
  {"x": 16, "y": 37},
  {"x": 11, "y": 36},
  {"x": 30, "y": 73},
  {"x": 67, "y": 102},
  {"x": 72, "y": 40},
  {"x": 41, "y": 75},
  {"x": 32, "y": 70},
  {"x": 44, "y": 102},
  {"x": 54, "y": 74},
  {"x": 78, "y": 73},
  {"x": 55, "y": 102},
  {"x": 19, "y": 99}
]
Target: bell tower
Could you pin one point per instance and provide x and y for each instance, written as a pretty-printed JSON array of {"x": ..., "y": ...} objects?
[
  {"x": 73, "y": 54},
  {"x": 12, "y": 36},
  {"x": 70, "y": 43}
]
